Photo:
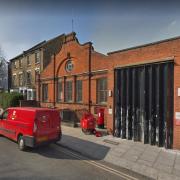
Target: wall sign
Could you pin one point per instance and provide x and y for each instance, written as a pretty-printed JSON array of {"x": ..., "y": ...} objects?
[
  {"x": 110, "y": 110},
  {"x": 178, "y": 91},
  {"x": 177, "y": 118}
]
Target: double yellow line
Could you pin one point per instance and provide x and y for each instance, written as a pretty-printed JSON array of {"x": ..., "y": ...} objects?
[{"x": 94, "y": 163}]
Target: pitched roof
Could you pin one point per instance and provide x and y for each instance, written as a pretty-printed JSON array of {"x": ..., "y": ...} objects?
[{"x": 37, "y": 46}]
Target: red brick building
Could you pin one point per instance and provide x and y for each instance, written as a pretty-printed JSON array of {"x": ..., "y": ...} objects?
[{"x": 139, "y": 88}]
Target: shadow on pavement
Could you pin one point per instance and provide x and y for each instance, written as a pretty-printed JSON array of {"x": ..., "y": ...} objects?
[
  {"x": 92, "y": 150},
  {"x": 89, "y": 149}
]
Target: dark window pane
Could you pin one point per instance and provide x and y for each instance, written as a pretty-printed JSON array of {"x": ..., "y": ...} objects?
[
  {"x": 37, "y": 57},
  {"x": 28, "y": 77},
  {"x": 78, "y": 91},
  {"x": 68, "y": 91},
  {"x": 45, "y": 92},
  {"x": 59, "y": 92},
  {"x": 102, "y": 90}
]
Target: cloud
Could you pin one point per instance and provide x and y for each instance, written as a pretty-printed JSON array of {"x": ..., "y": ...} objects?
[{"x": 173, "y": 23}]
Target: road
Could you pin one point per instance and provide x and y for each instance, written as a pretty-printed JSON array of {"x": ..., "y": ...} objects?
[{"x": 51, "y": 162}]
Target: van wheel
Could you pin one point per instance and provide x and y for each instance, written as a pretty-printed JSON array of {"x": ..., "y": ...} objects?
[{"x": 21, "y": 143}]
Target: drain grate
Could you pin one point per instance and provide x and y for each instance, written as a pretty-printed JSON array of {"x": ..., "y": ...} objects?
[{"x": 111, "y": 142}]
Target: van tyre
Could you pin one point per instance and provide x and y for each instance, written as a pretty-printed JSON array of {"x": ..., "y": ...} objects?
[{"x": 21, "y": 143}]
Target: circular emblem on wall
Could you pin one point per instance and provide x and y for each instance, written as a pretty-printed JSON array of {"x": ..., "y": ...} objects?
[{"x": 69, "y": 66}]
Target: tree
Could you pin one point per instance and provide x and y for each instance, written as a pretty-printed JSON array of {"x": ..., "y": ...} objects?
[
  {"x": 2, "y": 60},
  {"x": 3, "y": 72},
  {"x": 1, "y": 53}
]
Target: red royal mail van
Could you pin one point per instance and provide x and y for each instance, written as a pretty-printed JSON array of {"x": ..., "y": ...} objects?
[{"x": 31, "y": 126}]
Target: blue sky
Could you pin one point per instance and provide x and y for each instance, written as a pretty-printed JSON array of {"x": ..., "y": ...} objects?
[{"x": 110, "y": 25}]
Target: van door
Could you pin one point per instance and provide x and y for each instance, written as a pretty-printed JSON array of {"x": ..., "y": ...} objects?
[
  {"x": 3, "y": 120},
  {"x": 11, "y": 124},
  {"x": 46, "y": 125},
  {"x": 43, "y": 126}
]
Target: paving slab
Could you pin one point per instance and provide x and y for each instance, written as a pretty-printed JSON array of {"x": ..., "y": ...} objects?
[
  {"x": 144, "y": 162},
  {"x": 166, "y": 176},
  {"x": 145, "y": 170},
  {"x": 151, "y": 161}
]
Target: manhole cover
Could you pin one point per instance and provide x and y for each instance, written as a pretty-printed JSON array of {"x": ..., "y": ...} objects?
[{"x": 111, "y": 142}]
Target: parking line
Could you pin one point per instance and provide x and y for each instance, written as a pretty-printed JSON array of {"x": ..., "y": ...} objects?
[{"x": 94, "y": 163}]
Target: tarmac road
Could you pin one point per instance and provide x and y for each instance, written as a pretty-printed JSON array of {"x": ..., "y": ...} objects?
[{"x": 51, "y": 162}]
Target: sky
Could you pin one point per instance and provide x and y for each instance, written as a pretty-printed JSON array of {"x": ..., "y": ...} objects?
[{"x": 109, "y": 24}]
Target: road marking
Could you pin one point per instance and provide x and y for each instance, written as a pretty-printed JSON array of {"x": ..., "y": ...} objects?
[{"x": 94, "y": 163}]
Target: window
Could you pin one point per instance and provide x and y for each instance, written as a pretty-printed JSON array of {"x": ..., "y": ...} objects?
[
  {"x": 20, "y": 63},
  {"x": 102, "y": 90},
  {"x": 5, "y": 115},
  {"x": 21, "y": 79},
  {"x": 36, "y": 74},
  {"x": 45, "y": 92},
  {"x": 28, "y": 77},
  {"x": 59, "y": 92},
  {"x": 29, "y": 95},
  {"x": 79, "y": 91},
  {"x": 15, "y": 64},
  {"x": 69, "y": 66},
  {"x": 37, "y": 57},
  {"x": 28, "y": 61},
  {"x": 14, "y": 80},
  {"x": 34, "y": 95},
  {"x": 68, "y": 91}
]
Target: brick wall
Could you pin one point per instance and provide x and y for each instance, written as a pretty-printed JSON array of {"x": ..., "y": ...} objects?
[
  {"x": 146, "y": 54},
  {"x": 80, "y": 56},
  {"x": 103, "y": 66}
]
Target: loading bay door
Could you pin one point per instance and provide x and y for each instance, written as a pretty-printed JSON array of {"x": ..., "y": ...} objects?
[{"x": 144, "y": 103}]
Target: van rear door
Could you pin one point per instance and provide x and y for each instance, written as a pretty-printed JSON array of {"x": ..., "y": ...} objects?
[{"x": 46, "y": 122}]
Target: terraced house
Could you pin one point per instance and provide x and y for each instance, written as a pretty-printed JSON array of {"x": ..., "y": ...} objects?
[{"x": 25, "y": 67}]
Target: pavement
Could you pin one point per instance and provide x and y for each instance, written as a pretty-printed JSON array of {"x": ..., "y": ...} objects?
[{"x": 151, "y": 161}]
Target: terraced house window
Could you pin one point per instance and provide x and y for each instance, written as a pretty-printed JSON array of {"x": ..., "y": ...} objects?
[
  {"x": 37, "y": 72},
  {"x": 20, "y": 79},
  {"x": 78, "y": 91},
  {"x": 28, "y": 61},
  {"x": 68, "y": 91},
  {"x": 28, "y": 77},
  {"x": 15, "y": 64},
  {"x": 102, "y": 91},
  {"x": 45, "y": 92},
  {"x": 20, "y": 63},
  {"x": 37, "y": 57},
  {"x": 59, "y": 91},
  {"x": 14, "y": 80}
]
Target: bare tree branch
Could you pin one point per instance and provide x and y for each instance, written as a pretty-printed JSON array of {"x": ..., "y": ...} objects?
[{"x": 2, "y": 56}]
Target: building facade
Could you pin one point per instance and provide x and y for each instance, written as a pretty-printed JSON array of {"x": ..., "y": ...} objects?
[
  {"x": 25, "y": 67},
  {"x": 4, "y": 75},
  {"x": 138, "y": 88},
  {"x": 69, "y": 81}
]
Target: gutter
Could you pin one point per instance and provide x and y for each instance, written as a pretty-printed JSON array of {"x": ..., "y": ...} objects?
[{"x": 90, "y": 51}]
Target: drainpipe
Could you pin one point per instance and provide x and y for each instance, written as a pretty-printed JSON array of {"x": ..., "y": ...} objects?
[
  {"x": 89, "y": 103},
  {"x": 54, "y": 79},
  {"x": 39, "y": 89}
]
